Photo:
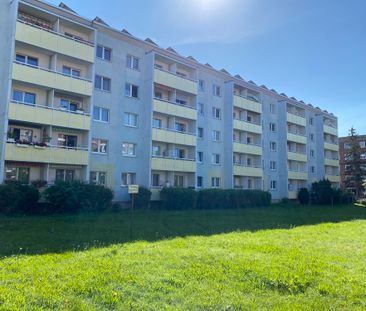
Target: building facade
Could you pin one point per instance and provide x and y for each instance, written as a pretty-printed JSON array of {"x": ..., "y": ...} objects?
[
  {"x": 344, "y": 144},
  {"x": 82, "y": 100}
]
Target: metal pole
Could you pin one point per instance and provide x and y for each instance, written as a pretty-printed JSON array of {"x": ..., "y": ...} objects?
[{"x": 131, "y": 215}]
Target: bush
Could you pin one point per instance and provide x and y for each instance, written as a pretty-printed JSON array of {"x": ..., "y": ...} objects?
[
  {"x": 18, "y": 198},
  {"x": 142, "y": 198},
  {"x": 222, "y": 199},
  {"x": 303, "y": 196},
  {"x": 322, "y": 192},
  {"x": 70, "y": 197},
  {"x": 177, "y": 198}
]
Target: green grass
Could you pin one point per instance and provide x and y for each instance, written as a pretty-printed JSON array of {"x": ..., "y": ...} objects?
[{"x": 284, "y": 258}]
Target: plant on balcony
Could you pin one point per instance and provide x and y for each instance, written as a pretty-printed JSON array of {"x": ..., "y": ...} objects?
[
  {"x": 23, "y": 143},
  {"x": 11, "y": 137},
  {"x": 40, "y": 145}
]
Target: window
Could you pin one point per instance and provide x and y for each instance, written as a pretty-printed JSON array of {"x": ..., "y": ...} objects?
[
  {"x": 216, "y": 113},
  {"x": 68, "y": 105},
  {"x": 24, "y": 97},
  {"x": 20, "y": 174},
  {"x": 32, "y": 61},
  {"x": 98, "y": 178},
  {"x": 215, "y": 182},
  {"x": 216, "y": 159},
  {"x": 156, "y": 151},
  {"x": 130, "y": 119},
  {"x": 272, "y": 127},
  {"x": 312, "y": 153},
  {"x": 104, "y": 53},
  {"x": 68, "y": 71},
  {"x": 199, "y": 181},
  {"x": 179, "y": 181},
  {"x": 64, "y": 175},
  {"x": 22, "y": 134},
  {"x": 249, "y": 118},
  {"x": 249, "y": 140},
  {"x": 131, "y": 90},
  {"x": 102, "y": 83},
  {"x": 273, "y": 185},
  {"x": 312, "y": 169},
  {"x": 249, "y": 161},
  {"x": 216, "y": 135},
  {"x": 201, "y": 85},
  {"x": 362, "y": 144},
  {"x": 179, "y": 153},
  {"x": 272, "y": 165},
  {"x": 311, "y": 121},
  {"x": 132, "y": 62},
  {"x": 129, "y": 149},
  {"x": 216, "y": 90},
  {"x": 155, "y": 180},
  {"x": 311, "y": 135},
  {"x": 272, "y": 108},
  {"x": 128, "y": 179},
  {"x": 250, "y": 184},
  {"x": 199, "y": 156},
  {"x": 67, "y": 140},
  {"x": 157, "y": 123},
  {"x": 180, "y": 127},
  {"x": 100, "y": 114},
  {"x": 272, "y": 146},
  {"x": 99, "y": 145},
  {"x": 200, "y": 132},
  {"x": 201, "y": 109},
  {"x": 181, "y": 101}
]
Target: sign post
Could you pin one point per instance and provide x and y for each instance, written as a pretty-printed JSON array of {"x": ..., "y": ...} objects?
[{"x": 132, "y": 190}]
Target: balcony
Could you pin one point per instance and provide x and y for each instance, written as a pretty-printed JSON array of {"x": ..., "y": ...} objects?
[
  {"x": 51, "y": 79},
  {"x": 331, "y": 162},
  {"x": 250, "y": 171},
  {"x": 48, "y": 115},
  {"x": 174, "y": 109},
  {"x": 292, "y": 195},
  {"x": 298, "y": 175},
  {"x": 174, "y": 81},
  {"x": 173, "y": 137},
  {"x": 296, "y": 156},
  {"x": 296, "y": 137},
  {"x": 332, "y": 178},
  {"x": 53, "y": 41},
  {"x": 247, "y": 104},
  {"x": 247, "y": 148},
  {"x": 55, "y": 155},
  {"x": 173, "y": 164},
  {"x": 247, "y": 126},
  {"x": 331, "y": 146},
  {"x": 296, "y": 119},
  {"x": 330, "y": 130}
]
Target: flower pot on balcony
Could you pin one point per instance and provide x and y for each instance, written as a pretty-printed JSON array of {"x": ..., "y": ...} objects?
[
  {"x": 22, "y": 145},
  {"x": 80, "y": 111},
  {"x": 39, "y": 147},
  {"x": 11, "y": 140}
]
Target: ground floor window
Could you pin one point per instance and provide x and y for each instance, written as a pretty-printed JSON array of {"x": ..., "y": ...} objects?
[
  {"x": 155, "y": 180},
  {"x": 98, "y": 178},
  {"x": 128, "y": 179},
  {"x": 64, "y": 175},
  {"x": 20, "y": 174},
  {"x": 178, "y": 181},
  {"x": 215, "y": 182}
]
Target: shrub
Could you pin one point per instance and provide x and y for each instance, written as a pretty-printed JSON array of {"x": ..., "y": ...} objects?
[
  {"x": 322, "y": 192},
  {"x": 142, "y": 198},
  {"x": 303, "y": 196},
  {"x": 38, "y": 183},
  {"x": 178, "y": 198},
  {"x": 18, "y": 198}
]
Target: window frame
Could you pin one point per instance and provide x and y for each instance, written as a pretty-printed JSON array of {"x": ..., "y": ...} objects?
[
  {"x": 128, "y": 115},
  {"x": 99, "y": 145},
  {"x": 101, "y": 109},
  {"x": 130, "y": 64},
  {"x": 128, "y": 145},
  {"x": 129, "y": 90},
  {"x": 102, "y": 57}
]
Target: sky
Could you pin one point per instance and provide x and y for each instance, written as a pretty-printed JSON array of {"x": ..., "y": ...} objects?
[{"x": 310, "y": 49}]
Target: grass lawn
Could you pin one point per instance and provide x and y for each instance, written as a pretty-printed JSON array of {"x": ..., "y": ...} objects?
[{"x": 311, "y": 258}]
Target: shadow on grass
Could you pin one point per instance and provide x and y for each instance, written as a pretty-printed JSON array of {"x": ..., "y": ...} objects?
[{"x": 56, "y": 234}]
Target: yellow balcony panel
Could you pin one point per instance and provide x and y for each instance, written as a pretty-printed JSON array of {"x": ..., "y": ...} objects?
[
  {"x": 247, "y": 104},
  {"x": 248, "y": 127},
  {"x": 294, "y": 156},
  {"x": 173, "y": 137},
  {"x": 297, "y": 175},
  {"x": 53, "y": 41},
  {"x": 295, "y": 119},
  {"x": 248, "y": 171},
  {"x": 245, "y": 148},
  {"x": 43, "y": 115},
  {"x": 13, "y": 152},
  {"x": 173, "y": 165},
  {"x": 155, "y": 194},
  {"x": 174, "y": 81},
  {"x": 330, "y": 130},
  {"x": 175, "y": 110},
  {"x": 296, "y": 138},
  {"x": 332, "y": 178},
  {"x": 329, "y": 146},
  {"x": 331, "y": 162},
  {"x": 292, "y": 195},
  {"x": 51, "y": 79}
]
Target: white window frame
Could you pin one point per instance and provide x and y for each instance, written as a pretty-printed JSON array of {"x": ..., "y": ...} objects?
[
  {"x": 130, "y": 148},
  {"x": 200, "y": 129},
  {"x": 129, "y": 90},
  {"x": 200, "y": 155},
  {"x": 215, "y": 157},
  {"x": 273, "y": 185},
  {"x": 216, "y": 113},
  {"x": 130, "y": 178},
  {"x": 100, "y": 145},
  {"x": 130, "y": 62},
  {"x": 216, "y": 135},
  {"x": 215, "y": 182},
  {"x": 130, "y": 116},
  {"x": 102, "y": 79},
  {"x": 103, "y": 57},
  {"x": 100, "y": 113},
  {"x": 97, "y": 177},
  {"x": 272, "y": 127},
  {"x": 216, "y": 90},
  {"x": 273, "y": 165},
  {"x": 273, "y": 144}
]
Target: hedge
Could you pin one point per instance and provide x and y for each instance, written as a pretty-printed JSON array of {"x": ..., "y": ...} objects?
[
  {"x": 178, "y": 198},
  {"x": 142, "y": 198}
]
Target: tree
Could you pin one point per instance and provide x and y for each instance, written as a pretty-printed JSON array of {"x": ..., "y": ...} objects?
[
  {"x": 355, "y": 170},
  {"x": 322, "y": 192}
]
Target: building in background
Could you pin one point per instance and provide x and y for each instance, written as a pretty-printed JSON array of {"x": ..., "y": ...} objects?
[
  {"x": 344, "y": 144},
  {"x": 81, "y": 100}
]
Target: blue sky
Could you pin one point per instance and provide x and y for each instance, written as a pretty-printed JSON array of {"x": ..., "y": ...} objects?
[{"x": 310, "y": 49}]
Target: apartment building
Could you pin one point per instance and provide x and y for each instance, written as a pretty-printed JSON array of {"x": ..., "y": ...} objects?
[
  {"x": 344, "y": 145},
  {"x": 84, "y": 101}
]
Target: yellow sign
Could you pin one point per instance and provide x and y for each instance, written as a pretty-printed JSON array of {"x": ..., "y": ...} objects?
[{"x": 133, "y": 189}]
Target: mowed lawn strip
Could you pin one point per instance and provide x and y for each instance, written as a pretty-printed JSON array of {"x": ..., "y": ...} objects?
[{"x": 320, "y": 266}]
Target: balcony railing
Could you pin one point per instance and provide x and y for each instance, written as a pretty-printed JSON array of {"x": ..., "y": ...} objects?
[
  {"x": 246, "y": 165},
  {"x": 174, "y": 130},
  {"x": 296, "y": 132},
  {"x": 175, "y": 74},
  {"x": 250, "y": 122},
  {"x": 80, "y": 40},
  {"x": 296, "y": 151},
  {"x": 296, "y": 113},
  {"x": 245, "y": 143},
  {"x": 252, "y": 98},
  {"x": 175, "y": 103},
  {"x": 173, "y": 158}
]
